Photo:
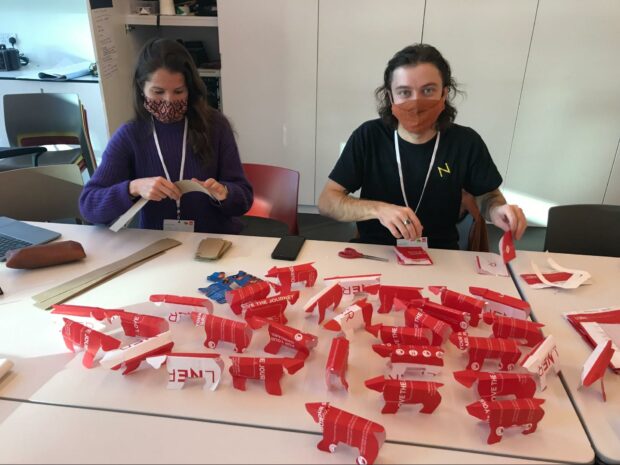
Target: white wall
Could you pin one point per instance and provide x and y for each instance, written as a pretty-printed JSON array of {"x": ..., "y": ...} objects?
[{"x": 48, "y": 32}]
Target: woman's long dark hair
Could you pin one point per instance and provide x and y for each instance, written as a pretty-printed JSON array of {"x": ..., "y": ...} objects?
[
  {"x": 174, "y": 57},
  {"x": 411, "y": 56}
]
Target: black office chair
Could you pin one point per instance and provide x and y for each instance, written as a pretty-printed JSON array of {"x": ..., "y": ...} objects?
[{"x": 584, "y": 230}]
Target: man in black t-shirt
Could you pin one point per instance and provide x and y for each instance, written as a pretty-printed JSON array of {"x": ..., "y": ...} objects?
[{"x": 413, "y": 163}]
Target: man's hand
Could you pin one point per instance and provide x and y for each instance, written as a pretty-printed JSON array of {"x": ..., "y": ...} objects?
[
  {"x": 401, "y": 221},
  {"x": 509, "y": 218},
  {"x": 156, "y": 188}
]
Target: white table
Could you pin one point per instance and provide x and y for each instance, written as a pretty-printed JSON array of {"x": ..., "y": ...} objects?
[
  {"x": 36, "y": 433},
  {"x": 601, "y": 419},
  {"x": 46, "y": 373}
]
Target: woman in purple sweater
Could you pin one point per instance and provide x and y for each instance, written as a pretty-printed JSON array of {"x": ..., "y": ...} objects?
[{"x": 175, "y": 135}]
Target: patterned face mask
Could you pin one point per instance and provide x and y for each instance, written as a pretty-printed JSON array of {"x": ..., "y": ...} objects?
[{"x": 164, "y": 111}]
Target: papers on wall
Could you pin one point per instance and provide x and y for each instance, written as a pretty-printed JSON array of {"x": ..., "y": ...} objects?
[{"x": 107, "y": 52}]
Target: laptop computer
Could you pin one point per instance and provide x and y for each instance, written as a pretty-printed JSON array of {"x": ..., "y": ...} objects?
[{"x": 17, "y": 234}]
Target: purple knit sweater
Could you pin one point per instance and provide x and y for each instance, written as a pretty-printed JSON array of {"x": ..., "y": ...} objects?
[{"x": 131, "y": 154}]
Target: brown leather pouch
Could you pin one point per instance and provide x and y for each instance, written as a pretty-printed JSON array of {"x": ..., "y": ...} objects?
[{"x": 39, "y": 256}]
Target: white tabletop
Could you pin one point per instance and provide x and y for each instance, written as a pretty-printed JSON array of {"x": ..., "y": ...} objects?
[
  {"x": 45, "y": 372},
  {"x": 36, "y": 433},
  {"x": 602, "y": 419}
]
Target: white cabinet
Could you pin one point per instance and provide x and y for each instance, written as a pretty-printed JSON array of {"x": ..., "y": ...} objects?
[
  {"x": 486, "y": 43},
  {"x": 568, "y": 125},
  {"x": 269, "y": 55},
  {"x": 356, "y": 40}
]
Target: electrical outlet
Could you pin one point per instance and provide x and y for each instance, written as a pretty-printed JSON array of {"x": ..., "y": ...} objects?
[{"x": 4, "y": 38}]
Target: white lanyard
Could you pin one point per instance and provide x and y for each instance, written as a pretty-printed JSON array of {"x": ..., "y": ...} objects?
[
  {"x": 163, "y": 164},
  {"x": 400, "y": 169}
]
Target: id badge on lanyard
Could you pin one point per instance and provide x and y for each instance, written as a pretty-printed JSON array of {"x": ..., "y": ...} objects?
[
  {"x": 421, "y": 241},
  {"x": 178, "y": 224}
]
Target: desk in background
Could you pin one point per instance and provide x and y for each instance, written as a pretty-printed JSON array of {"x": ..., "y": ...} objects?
[
  {"x": 44, "y": 372},
  {"x": 601, "y": 419}
]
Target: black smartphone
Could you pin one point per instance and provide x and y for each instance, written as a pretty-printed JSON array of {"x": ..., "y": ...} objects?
[{"x": 288, "y": 248}]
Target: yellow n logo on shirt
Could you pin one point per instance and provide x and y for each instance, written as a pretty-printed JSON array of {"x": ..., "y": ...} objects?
[{"x": 445, "y": 170}]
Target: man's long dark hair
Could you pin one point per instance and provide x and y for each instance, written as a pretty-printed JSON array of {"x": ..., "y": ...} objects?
[
  {"x": 411, "y": 56},
  {"x": 174, "y": 57}
]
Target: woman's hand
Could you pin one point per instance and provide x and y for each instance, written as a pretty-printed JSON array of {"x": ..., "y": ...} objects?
[
  {"x": 156, "y": 188},
  {"x": 509, "y": 218},
  {"x": 217, "y": 190},
  {"x": 401, "y": 221}
]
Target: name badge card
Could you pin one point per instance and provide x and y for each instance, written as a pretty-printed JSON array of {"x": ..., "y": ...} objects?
[
  {"x": 419, "y": 242},
  {"x": 179, "y": 225}
]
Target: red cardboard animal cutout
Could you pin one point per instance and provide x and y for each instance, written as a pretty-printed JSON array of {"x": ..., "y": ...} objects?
[
  {"x": 337, "y": 363},
  {"x": 502, "y": 414},
  {"x": 462, "y": 302},
  {"x": 222, "y": 329},
  {"x": 289, "y": 275},
  {"x": 416, "y": 318},
  {"x": 328, "y": 298},
  {"x": 281, "y": 335},
  {"x": 340, "y": 426},
  {"x": 403, "y": 293},
  {"x": 482, "y": 348},
  {"x": 76, "y": 334},
  {"x": 457, "y": 319},
  {"x": 397, "y": 392},
  {"x": 271, "y": 308},
  {"x": 269, "y": 370},
  {"x": 490, "y": 386},
  {"x": 526, "y": 332},
  {"x": 355, "y": 316},
  {"x": 255, "y": 291},
  {"x": 503, "y": 304},
  {"x": 402, "y": 335},
  {"x": 419, "y": 360}
]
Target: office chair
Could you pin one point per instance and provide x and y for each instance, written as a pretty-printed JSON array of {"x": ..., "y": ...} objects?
[
  {"x": 46, "y": 119},
  {"x": 43, "y": 193},
  {"x": 472, "y": 227},
  {"x": 276, "y": 192},
  {"x": 584, "y": 229},
  {"x": 18, "y": 157}
]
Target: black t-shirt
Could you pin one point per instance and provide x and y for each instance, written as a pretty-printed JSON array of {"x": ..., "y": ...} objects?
[{"x": 368, "y": 161}]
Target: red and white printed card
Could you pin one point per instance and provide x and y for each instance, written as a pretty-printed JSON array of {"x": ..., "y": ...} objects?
[
  {"x": 599, "y": 325},
  {"x": 561, "y": 277},
  {"x": 412, "y": 256},
  {"x": 595, "y": 366},
  {"x": 184, "y": 366},
  {"x": 490, "y": 264},
  {"x": 507, "y": 247}
]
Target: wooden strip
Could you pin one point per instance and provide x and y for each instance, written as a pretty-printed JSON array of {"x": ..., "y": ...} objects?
[{"x": 64, "y": 291}]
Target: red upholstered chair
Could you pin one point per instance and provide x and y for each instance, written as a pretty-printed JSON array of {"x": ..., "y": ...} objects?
[{"x": 276, "y": 191}]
